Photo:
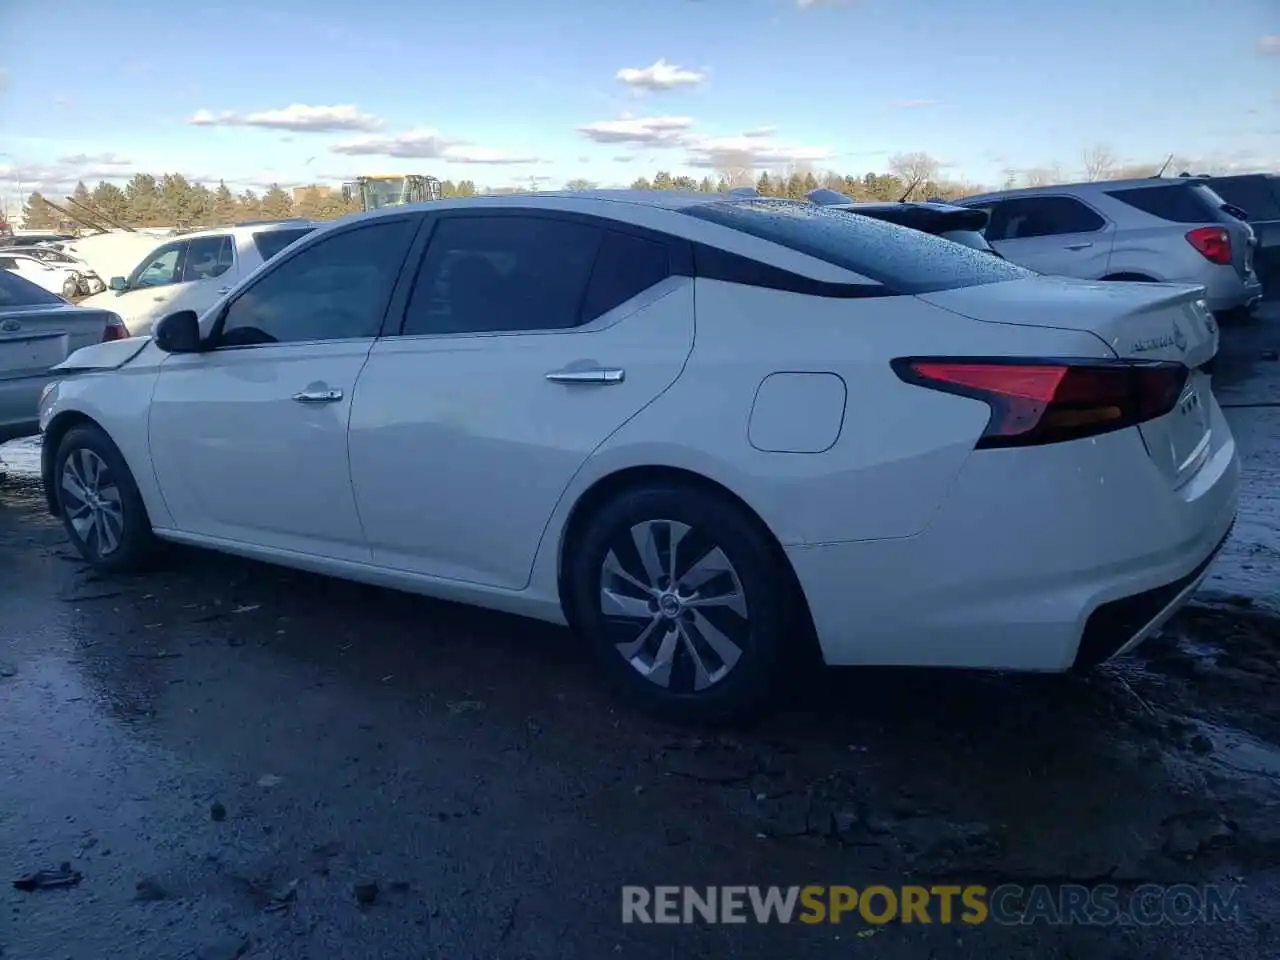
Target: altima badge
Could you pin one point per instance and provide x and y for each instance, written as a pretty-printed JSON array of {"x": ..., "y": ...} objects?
[{"x": 9, "y": 326}]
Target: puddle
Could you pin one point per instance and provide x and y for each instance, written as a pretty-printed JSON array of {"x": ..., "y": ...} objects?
[{"x": 21, "y": 458}]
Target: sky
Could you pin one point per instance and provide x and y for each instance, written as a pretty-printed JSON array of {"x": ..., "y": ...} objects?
[{"x": 520, "y": 93}]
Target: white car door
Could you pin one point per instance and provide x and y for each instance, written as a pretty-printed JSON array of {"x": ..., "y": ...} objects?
[
  {"x": 249, "y": 438},
  {"x": 526, "y": 341},
  {"x": 1055, "y": 235}
]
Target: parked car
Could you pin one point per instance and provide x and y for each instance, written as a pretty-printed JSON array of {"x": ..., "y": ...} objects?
[
  {"x": 89, "y": 281},
  {"x": 707, "y": 432},
  {"x": 1258, "y": 195},
  {"x": 55, "y": 277},
  {"x": 39, "y": 329},
  {"x": 949, "y": 221},
  {"x": 192, "y": 271},
  {"x": 1153, "y": 229},
  {"x": 29, "y": 238}
]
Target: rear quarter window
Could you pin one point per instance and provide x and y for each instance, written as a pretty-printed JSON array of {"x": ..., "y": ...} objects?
[
  {"x": 270, "y": 242},
  {"x": 1253, "y": 194},
  {"x": 903, "y": 260},
  {"x": 1176, "y": 202}
]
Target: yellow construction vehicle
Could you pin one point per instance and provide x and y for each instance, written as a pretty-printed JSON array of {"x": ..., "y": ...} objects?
[{"x": 390, "y": 190}]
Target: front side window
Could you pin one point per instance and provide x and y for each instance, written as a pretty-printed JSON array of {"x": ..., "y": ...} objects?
[
  {"x": 208, "y": 257},
  {"x": 335, "y": 289},
  {"x": 502, "y": 273},
  {"x": 901, "y": 259},
  {"x": 162, "y": 266}
]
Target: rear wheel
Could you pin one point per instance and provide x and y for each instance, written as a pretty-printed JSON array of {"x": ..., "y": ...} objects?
[
  {"x": 685, "y": 604},
  {"x": 99, "y": 503}
]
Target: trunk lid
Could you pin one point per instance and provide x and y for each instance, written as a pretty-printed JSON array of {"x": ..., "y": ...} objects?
[
  {"x": 1138, "y": 321},
  {"x": 34, "y": 339}
]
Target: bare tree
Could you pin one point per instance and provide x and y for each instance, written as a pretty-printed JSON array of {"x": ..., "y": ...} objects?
[
  {"x": 915, "y": 168},
  {"x": 579, "y": 184},
  {"x": 1042, "y": 176},
  {"x": 1099, "y": 162},
  {"x": 736, "y": 168}
]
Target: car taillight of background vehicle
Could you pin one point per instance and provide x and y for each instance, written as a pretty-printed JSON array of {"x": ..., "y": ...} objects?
[
  {"x": 1049, "y": 401},
  {"x": 1214, "y": 244},
  {"x": 115, "y": 329}
]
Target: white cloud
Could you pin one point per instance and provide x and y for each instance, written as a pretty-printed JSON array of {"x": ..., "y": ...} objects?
[
  {"x": 1269, "y": 46},
  {"x": 426, "y": 143},
  {"x": 645, "y": 131},
  {"x": 660, "y": 76},
  {"x": 94, "y": 160},
  {"x": 760, "y": 132},
  {"x": 749, "y": 150},
  {"x": 298, "y": 117}
]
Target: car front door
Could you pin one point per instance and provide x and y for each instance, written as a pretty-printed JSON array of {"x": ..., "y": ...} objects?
[
  {"x": 249, "y": 438},
  {"x": 526, "y": 341},
  {"x": 1057, "y": 235},
  {"x": 208, "y": 272}
]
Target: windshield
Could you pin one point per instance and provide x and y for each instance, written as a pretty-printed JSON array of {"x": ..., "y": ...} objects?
[
  {"x": 905, "y": 260},
  {"x": 384, "y": 193}
]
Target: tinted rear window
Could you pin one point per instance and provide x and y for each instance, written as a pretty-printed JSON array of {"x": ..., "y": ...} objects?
[
  {"x": 1255, "y": 195},
  {"x": 271, "y": 242},
  {"x": 17, "y": 292},
  {"x": 1177, "y": 202},
  {"x": 904, "y": 260}
]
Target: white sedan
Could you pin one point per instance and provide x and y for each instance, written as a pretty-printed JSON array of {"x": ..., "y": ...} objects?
[
  {"x": 57, "y": 278},
  {"x": 712, "y": 434}
]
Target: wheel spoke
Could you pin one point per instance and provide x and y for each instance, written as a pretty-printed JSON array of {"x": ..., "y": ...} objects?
[
  {"x": 660, "y": 670},
  {"x": 644, "y": 536},
  {"x": 710, "y": 565},
  {"x": 71, "y": 482},
  {"x": 631, "y": 649},
  {"x": 90, "y": 467},
  {"x": 717, "y": 640},
  {"x": 614, "y": 568},
  {"x": 108, "y": 537},
  {"x": 615, "y": 604},
  {"x": 734, "y": 600},
  {"x": 701, "y": 675}
]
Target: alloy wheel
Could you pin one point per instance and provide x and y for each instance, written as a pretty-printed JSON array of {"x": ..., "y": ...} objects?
[
  {"x": 674, "y": 605},
  {"x": 91, "y": 500}
]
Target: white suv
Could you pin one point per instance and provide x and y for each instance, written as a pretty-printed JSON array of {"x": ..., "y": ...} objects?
[
  {"x": 192, "y": 271},
  {"x": 1174, "y": 229}
]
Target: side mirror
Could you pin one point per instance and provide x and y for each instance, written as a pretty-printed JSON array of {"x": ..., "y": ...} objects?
[
  {"x": 178, "y": 333},
  {"x": 119, "y": 284}
]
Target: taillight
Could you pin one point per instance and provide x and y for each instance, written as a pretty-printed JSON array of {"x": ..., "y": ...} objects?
[
  {"x": 1214, "y": 244},
  {"x": 1049, "y": 401},
  {"x": 115, "y": 329}
]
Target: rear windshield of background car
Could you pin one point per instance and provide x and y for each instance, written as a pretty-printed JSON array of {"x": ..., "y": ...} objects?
[
  {"x": 17, "y": 292},
  {"x": 271, "y": 242},
  {"x": 904, "y": 260},
  {"x": 1176, "y": 202},
  {"x": 1256, "y": 194}
]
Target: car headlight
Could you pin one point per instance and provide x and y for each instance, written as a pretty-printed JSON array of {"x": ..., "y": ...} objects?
[{"x": 48, "y": 396}]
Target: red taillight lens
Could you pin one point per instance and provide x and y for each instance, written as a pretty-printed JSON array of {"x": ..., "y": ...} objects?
[
  {"x": 1049, "y": 401},
  {"x": 1214, "y": 244},
  {"x": 115, "y": 329}
]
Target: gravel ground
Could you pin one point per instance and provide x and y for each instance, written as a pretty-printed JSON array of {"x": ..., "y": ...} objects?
[{"x": 232, "y": 754}]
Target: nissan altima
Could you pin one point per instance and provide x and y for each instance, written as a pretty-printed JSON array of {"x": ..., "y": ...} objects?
[{"x": 714, "y": 435}]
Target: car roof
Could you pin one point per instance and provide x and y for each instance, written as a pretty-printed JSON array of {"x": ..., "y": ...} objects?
[
  {"x": 240, "y": 229},
  {"x": 1086, "y": 186}
]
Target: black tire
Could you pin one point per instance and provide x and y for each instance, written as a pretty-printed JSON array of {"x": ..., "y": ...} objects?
[
  {"x": 134, "y": 543},
  {"x": 768, "y": 640}
]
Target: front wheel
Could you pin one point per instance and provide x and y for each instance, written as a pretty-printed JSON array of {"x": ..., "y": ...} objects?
[
  {"x": 686, "y": 605},
  {"x": 99, "y": 503}
]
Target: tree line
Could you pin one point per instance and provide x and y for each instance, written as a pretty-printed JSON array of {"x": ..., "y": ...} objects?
[{"x": 173, "y": 201}]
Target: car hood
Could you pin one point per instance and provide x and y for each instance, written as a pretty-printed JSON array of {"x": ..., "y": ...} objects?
[
  {"x": 103, "y": 356},
  {"x": 102, "y": 301}
]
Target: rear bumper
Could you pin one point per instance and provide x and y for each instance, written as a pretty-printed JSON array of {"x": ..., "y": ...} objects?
[
  {"x": 19, "y": 400},
  {"x": 1031, "y": 552},
  {"x": 1233, "y": 293}
]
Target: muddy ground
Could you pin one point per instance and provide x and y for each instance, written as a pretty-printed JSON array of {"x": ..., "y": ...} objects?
[{"x": 230, "y": 754}]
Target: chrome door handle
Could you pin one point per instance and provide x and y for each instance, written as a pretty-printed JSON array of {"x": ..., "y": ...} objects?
[
  {"x": 588, "y": 375},
  {"x": 1080, "y": 246},
  {"x": 318, "y": 396}
]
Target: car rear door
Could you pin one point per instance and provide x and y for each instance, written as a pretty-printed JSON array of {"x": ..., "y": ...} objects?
[
  {"x": 528, "y": 338},
  {"x": 1058, "y": 235}
]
